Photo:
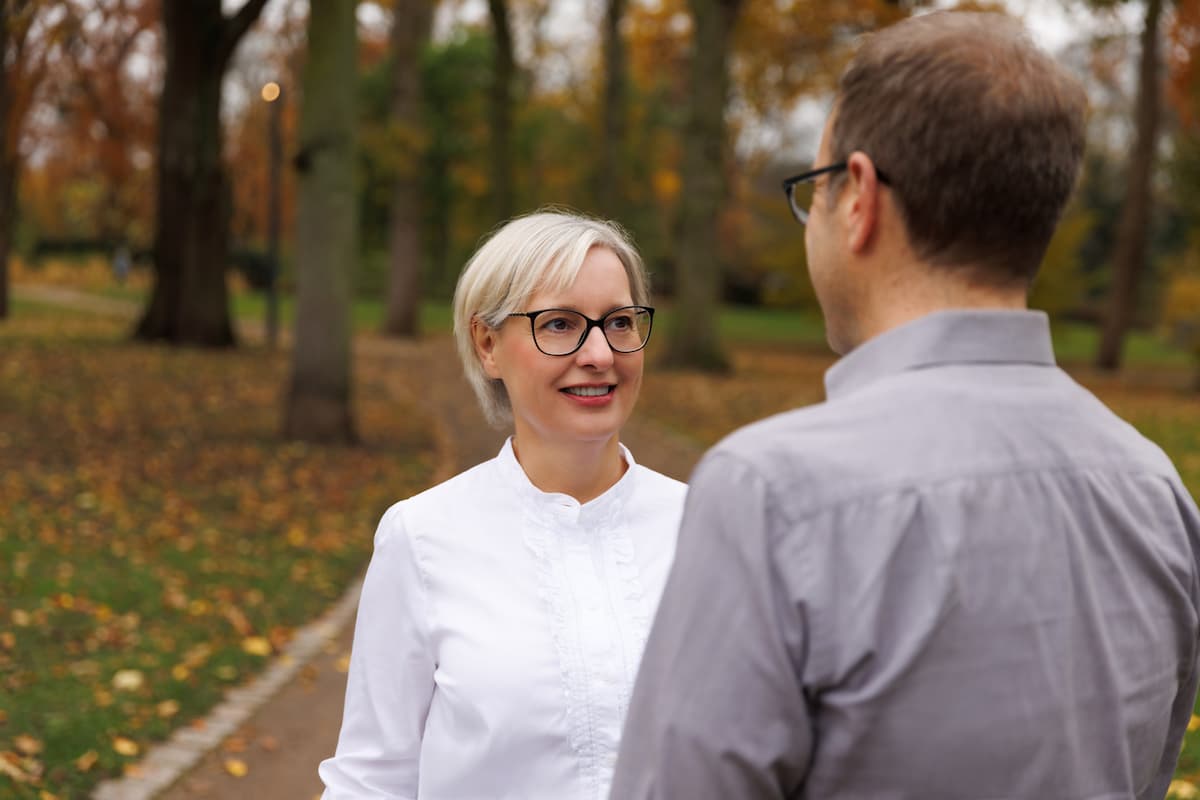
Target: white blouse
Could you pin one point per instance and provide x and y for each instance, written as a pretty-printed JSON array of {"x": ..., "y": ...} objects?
[{"x": 498, "y": 636}]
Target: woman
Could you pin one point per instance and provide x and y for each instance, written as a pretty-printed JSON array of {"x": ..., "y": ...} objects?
[{"x": 505, "y": 610}]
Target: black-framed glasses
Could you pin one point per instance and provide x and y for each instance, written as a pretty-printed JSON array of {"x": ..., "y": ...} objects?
[
  {"x": 562, "y": 331},
  {"x": 799, "y": 188}
]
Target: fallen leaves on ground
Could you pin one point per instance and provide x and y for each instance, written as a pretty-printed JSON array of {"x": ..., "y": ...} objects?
[{"x": 160, "y": 541}]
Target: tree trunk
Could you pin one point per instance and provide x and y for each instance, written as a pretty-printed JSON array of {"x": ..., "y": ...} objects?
[
  {"x": 693, "y": 341},
  {"x": 319, "y": 398},
  {"x": 8, "y": 162},
  {"x": 189, "y": 304},
  {"x": 411, "y": 27},
  {"x": 610, "y": 180},
  {"x": 501, "y": 98},
  {"x": 1133, "y": 232}
]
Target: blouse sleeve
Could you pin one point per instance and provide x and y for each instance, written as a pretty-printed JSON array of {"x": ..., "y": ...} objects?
[{"x": 390, "y": 683}]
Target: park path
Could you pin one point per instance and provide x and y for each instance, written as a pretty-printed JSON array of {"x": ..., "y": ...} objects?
[{"x": 286, "y": 737}]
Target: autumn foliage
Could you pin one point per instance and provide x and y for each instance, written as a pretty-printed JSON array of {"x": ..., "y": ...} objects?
[{"x": 159, "y": 541}]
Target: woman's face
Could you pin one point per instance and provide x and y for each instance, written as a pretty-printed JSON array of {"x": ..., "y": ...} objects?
[{"x": 547, "y": 392}]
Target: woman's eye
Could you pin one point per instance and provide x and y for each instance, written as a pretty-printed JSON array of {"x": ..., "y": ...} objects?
[
  {"x": 621, "y": 323},
  {"x": 557, "y": 325}
]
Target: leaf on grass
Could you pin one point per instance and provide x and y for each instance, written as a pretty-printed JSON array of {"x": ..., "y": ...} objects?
[
  {"x": 20, "y": 618},
  {"x": 238, "y": 620},
  {"x": 125, "y": 746},
  {"x": 27, "y": 745},
  {"x": 128, "y": 680},
  {"x": 7, "y": 640},
  {"x": 1193, "y": 723},
  {"x": 167, "y": 708},
  {"x": 86, "y": 761},
  {"x": 296, "y": 536},
  {"x": 45, "y": 795},
  {"x": 256, "y": 646},
  {"x": 8, "y": 766},
  {"x": 1183, "y": 790},
  {"x": 236, "y": 767}
]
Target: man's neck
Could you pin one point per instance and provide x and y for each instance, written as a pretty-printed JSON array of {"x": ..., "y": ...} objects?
[{"x": 922, "y": 290}]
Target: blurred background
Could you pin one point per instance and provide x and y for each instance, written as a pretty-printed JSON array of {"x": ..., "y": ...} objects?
[
  {"x": 229, "y": 234},
  {"x": 469, "y": 112}
]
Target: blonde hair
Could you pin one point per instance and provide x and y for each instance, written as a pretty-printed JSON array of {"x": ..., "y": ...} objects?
[{"x": 542, "y": 251}]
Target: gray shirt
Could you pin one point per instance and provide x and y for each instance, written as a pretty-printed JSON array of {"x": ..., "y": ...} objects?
[{"x": 960, "y": 577}]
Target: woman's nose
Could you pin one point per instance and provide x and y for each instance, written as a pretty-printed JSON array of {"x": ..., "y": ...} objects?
[{"x": 595, "y": 350}]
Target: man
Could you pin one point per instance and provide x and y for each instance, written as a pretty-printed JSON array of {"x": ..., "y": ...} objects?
[{"x": 961, "y": 576}]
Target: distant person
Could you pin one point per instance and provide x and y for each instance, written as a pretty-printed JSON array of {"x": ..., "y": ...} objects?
[
  {"x": 961, "y": 576},
  {"x": 505, "y": 610}
]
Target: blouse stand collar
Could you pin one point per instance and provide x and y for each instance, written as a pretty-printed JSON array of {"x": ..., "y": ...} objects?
[{"x": 598, "y": 512}]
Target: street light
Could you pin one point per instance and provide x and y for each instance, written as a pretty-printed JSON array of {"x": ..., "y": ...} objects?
[{"x": 272, "y": 93}]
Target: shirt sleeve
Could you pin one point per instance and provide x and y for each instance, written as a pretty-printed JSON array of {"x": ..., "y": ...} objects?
[
  {"x": 718, "y": 710},
  {"x": 390, "y": 683}
]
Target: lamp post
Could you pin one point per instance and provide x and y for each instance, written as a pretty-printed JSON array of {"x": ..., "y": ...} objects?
[{"x": 273, "y": 95}]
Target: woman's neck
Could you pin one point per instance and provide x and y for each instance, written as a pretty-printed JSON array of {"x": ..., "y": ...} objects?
[{"x": 583, "y": 470}]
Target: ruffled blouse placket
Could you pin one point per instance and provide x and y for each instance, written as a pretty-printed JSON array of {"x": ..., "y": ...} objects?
[{"x": 591, "y": 588}]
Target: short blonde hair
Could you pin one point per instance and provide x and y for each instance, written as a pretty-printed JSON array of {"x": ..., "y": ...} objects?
[{"x": 542, "y": 251}]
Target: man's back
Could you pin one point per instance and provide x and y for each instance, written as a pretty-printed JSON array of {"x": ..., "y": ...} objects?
[{"x": 984, "y": 584}]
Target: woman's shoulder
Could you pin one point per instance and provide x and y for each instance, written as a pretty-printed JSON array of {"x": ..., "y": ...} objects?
[
  {"x": 657, "y": 487},
  {"x": 434, "y": 507}
]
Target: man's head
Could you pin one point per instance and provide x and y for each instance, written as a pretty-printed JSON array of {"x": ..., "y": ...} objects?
[{"x": 980, "y": 135}]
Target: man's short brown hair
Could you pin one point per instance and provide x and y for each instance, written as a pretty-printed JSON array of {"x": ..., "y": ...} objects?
[{"x": 979, "y": 132}]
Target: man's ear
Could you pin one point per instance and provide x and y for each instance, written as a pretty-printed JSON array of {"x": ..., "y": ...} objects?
[
  {"x": 485, "y": 338},
  {"x": 862, "y": 188}
]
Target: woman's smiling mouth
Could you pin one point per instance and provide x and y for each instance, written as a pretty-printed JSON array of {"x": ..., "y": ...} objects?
[{"x": 590, "y": 391}]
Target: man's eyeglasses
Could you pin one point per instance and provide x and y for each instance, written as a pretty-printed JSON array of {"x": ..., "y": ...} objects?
[
  {"x": 799, "y": 188},
  {"x": 561, "y": 331}
]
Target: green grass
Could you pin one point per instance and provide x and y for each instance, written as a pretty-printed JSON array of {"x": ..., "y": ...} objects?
[
  {"x": 1074, "y": 343},
  {"x": 156, "y": 528},
  {"x": 1077, "y": 343}
]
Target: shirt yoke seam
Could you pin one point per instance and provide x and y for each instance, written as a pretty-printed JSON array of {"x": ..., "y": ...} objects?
[
  {"x": 883, "y": 488},
  {"x": 410, "y": 537}
]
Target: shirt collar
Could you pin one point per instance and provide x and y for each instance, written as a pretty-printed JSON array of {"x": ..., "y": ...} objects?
[
  {"x": 596, "y": 512},
  {"x": 991, "y": 336}
]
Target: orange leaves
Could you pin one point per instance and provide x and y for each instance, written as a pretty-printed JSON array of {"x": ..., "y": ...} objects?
[
  {"x": 86, "y": 761},
  {"x": 18, "y": 769},
  {"x": 27, "y": 745},
  {"x": 148, "y": 563},
  {"x": 1183, "y": 64},
  {"x": 256, "y": 646},
  {"x": 125, "y": 746},
  {"x": 1182, "y": 790}
]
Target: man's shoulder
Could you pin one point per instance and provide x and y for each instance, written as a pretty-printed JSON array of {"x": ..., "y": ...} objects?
[
  {"x": 801, "y": 434},
  {"x": 789, "y": 449}
]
